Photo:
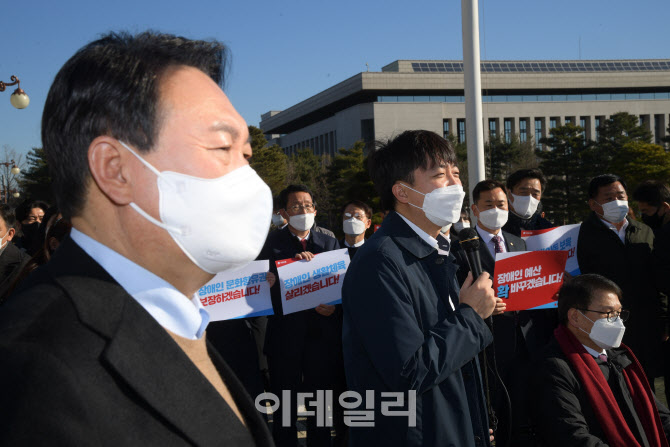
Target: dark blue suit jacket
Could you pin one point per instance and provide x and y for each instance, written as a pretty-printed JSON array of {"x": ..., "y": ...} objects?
[{"x": 400, "y": 333}]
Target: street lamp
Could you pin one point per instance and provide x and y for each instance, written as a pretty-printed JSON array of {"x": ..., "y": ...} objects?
[{"x": 19, "y": 99}]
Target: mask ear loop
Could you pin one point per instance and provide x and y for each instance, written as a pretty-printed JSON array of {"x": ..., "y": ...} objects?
[{"x": 133, "y": 205}]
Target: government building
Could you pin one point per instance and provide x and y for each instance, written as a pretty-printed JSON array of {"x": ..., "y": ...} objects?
[{"x": 526, "y": 98}]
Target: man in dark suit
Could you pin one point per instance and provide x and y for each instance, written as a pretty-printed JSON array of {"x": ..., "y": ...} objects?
[
  {"x": 408, "y": 330},
  {"x": 301, "y": 347},
  {"x": 653, "y": 200},
  {"x": 105, "y": 344},
  {"x": 490, "y": 206},
  {"x": 356, "y": 219},
  {"x": 524, "y": 189},
  {"x": 12, "y": 260},
  {"x": 619, "y": 248}
]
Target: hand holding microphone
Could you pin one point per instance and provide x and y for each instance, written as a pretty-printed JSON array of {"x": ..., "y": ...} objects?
[{"x": 477, "y": 290}]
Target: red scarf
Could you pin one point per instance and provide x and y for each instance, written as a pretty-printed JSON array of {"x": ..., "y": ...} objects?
[{"x": 602, "y": 400}]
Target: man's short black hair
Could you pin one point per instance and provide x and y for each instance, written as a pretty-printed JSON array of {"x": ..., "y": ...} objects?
[
  {"x": 8, "y": 215},
  {"x": 398, "y": 158},
  {"x": 604, "y": 180},
  {"x": 283, "y": 196},
  {"x": 653, "y": 193},
  {"x": 111, "y": 87},
  {"x": 486, "y": 185},
  {"x": 24, "y": 208},
  {"x": 579, "y": 291},
  {"x": 358, "y": 204},
  {"x": 522, "y": 174}
]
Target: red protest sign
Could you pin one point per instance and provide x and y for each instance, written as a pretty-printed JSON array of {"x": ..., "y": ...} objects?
[{"x": 529, "y": 280}]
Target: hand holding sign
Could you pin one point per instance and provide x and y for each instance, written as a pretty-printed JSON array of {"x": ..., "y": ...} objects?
[
  {"x": 312, "y": 284},
  {"x": 529, "y": 279}
]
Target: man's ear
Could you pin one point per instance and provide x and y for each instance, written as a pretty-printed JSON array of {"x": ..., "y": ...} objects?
[
  {"x": 573, "y": 317},
  {"x": 108, "y": 163},
  {"x": 10, "y": 234},
  {"x": 475, "y": 210},
  {"x": 284, "y": 214},
  {"x": 400, "y": 193},
  {"x": 594, "y": 207}
]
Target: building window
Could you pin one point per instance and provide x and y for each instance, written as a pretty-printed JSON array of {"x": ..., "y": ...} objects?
[
  {"x": 538, "y": 133},
  {"x": 568, "y": 120},
  {"x": 582, "y": 124},
  {"x": 523, "y": 130},
  {"x": 597, "y": 128},
  {"x": 492, "y": 129},
  {"x": 553, "y": 123},
  {"x": 508, "y": 130},
  {"x": 659, "y": 129},
  {"x": 461, "y": 130},
  {"x": 446, "y": 131}
]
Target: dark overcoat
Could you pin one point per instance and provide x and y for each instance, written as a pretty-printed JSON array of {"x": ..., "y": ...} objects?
[
  {"x": 84, "y": 364},
  {"x": 400, "y": 334},
  {"x": 631, "y": 266}
]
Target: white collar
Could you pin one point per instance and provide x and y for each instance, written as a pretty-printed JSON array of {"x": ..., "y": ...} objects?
[
  {"x": 357, "y": 244},
  {"x": 621, "y": 233},
  {"x": 486, "y": 236},
  {"x": 593, "y": 352},
  {"x": 430, "y": 240},
  {"x": 168, "y": 306}
]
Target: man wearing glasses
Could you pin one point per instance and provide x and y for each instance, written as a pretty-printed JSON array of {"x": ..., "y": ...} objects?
[
  {"x": 355, "y": 222},
  {"x": 587, "y": 388},
  {"x": 300, "y": 347}
]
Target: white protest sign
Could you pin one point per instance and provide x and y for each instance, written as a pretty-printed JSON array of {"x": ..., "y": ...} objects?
[
  {"x": 558, "y": 238},
  {"x": 306, "y": 284},
  {"x": 238, "y": 294}
]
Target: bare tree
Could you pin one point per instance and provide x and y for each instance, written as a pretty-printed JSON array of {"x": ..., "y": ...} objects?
[{"x": 9, "y": 181}]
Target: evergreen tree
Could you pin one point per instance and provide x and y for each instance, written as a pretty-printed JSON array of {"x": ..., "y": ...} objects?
[
  {"x": 36, "y": 181},
  {"x": 568, "y": 174}
]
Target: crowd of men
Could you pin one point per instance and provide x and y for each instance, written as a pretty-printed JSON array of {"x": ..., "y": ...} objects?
[{"x": 106, "y": 343}]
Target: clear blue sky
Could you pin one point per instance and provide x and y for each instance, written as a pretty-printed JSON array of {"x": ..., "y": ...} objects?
[{"x": 286, "y": 51}]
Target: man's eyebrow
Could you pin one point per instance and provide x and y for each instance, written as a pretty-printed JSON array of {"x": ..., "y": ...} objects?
[{"x": 225, "y": 127}]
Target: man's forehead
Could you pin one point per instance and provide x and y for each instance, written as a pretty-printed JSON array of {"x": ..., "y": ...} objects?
[
  {"x": 299, "y": 196},
  {"x": 612, "y": 187}
]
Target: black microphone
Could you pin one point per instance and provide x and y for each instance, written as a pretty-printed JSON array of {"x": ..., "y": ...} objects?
[{"x": 469, "y": 240}]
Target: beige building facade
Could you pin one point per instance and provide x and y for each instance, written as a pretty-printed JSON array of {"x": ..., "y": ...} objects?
[{"x": 526, "y": 98}]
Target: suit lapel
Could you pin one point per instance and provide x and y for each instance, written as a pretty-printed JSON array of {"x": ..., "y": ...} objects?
[
  {"x": 142, "y": 354},
  {"x": 488, "y": 262}
]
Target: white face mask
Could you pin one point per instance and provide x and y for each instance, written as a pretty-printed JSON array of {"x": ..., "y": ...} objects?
[
  {"x": 220, "y": 223},
  {"x": 458, "y": 226},
  {"x": 353, "y": 226},
  {"x": 4, "y": 244},
  {"x": 445, "y": 229},
  {"x": 302, "y": 222},
  {"x": 605, "y": 334},
  {"x": 525, "y": 206},
  {"x": 442, "y": 205},
  {"x": 494, "y": 218},
  {"x": 615, "y": 211},
  {"x": 277, "y": 220}
]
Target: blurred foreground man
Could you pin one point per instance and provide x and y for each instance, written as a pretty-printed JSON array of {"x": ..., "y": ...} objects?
[
  {"x": 105, "y": 344},
  {"x": 411, "y": 339}
]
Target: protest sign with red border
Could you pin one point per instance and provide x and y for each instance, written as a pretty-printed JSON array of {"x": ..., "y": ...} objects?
[{"x": 530, "y": 279}]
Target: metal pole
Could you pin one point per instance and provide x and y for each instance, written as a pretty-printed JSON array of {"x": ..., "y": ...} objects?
[{"x": 473, "y": 93}]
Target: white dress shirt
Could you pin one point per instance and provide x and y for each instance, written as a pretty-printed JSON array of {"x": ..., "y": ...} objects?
[
  {"x": 430, "y": 240},
  {"x": 487, "y": 238},
  {"x": 168, "y": 306},
  {"x": 621, "y": 233}
]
